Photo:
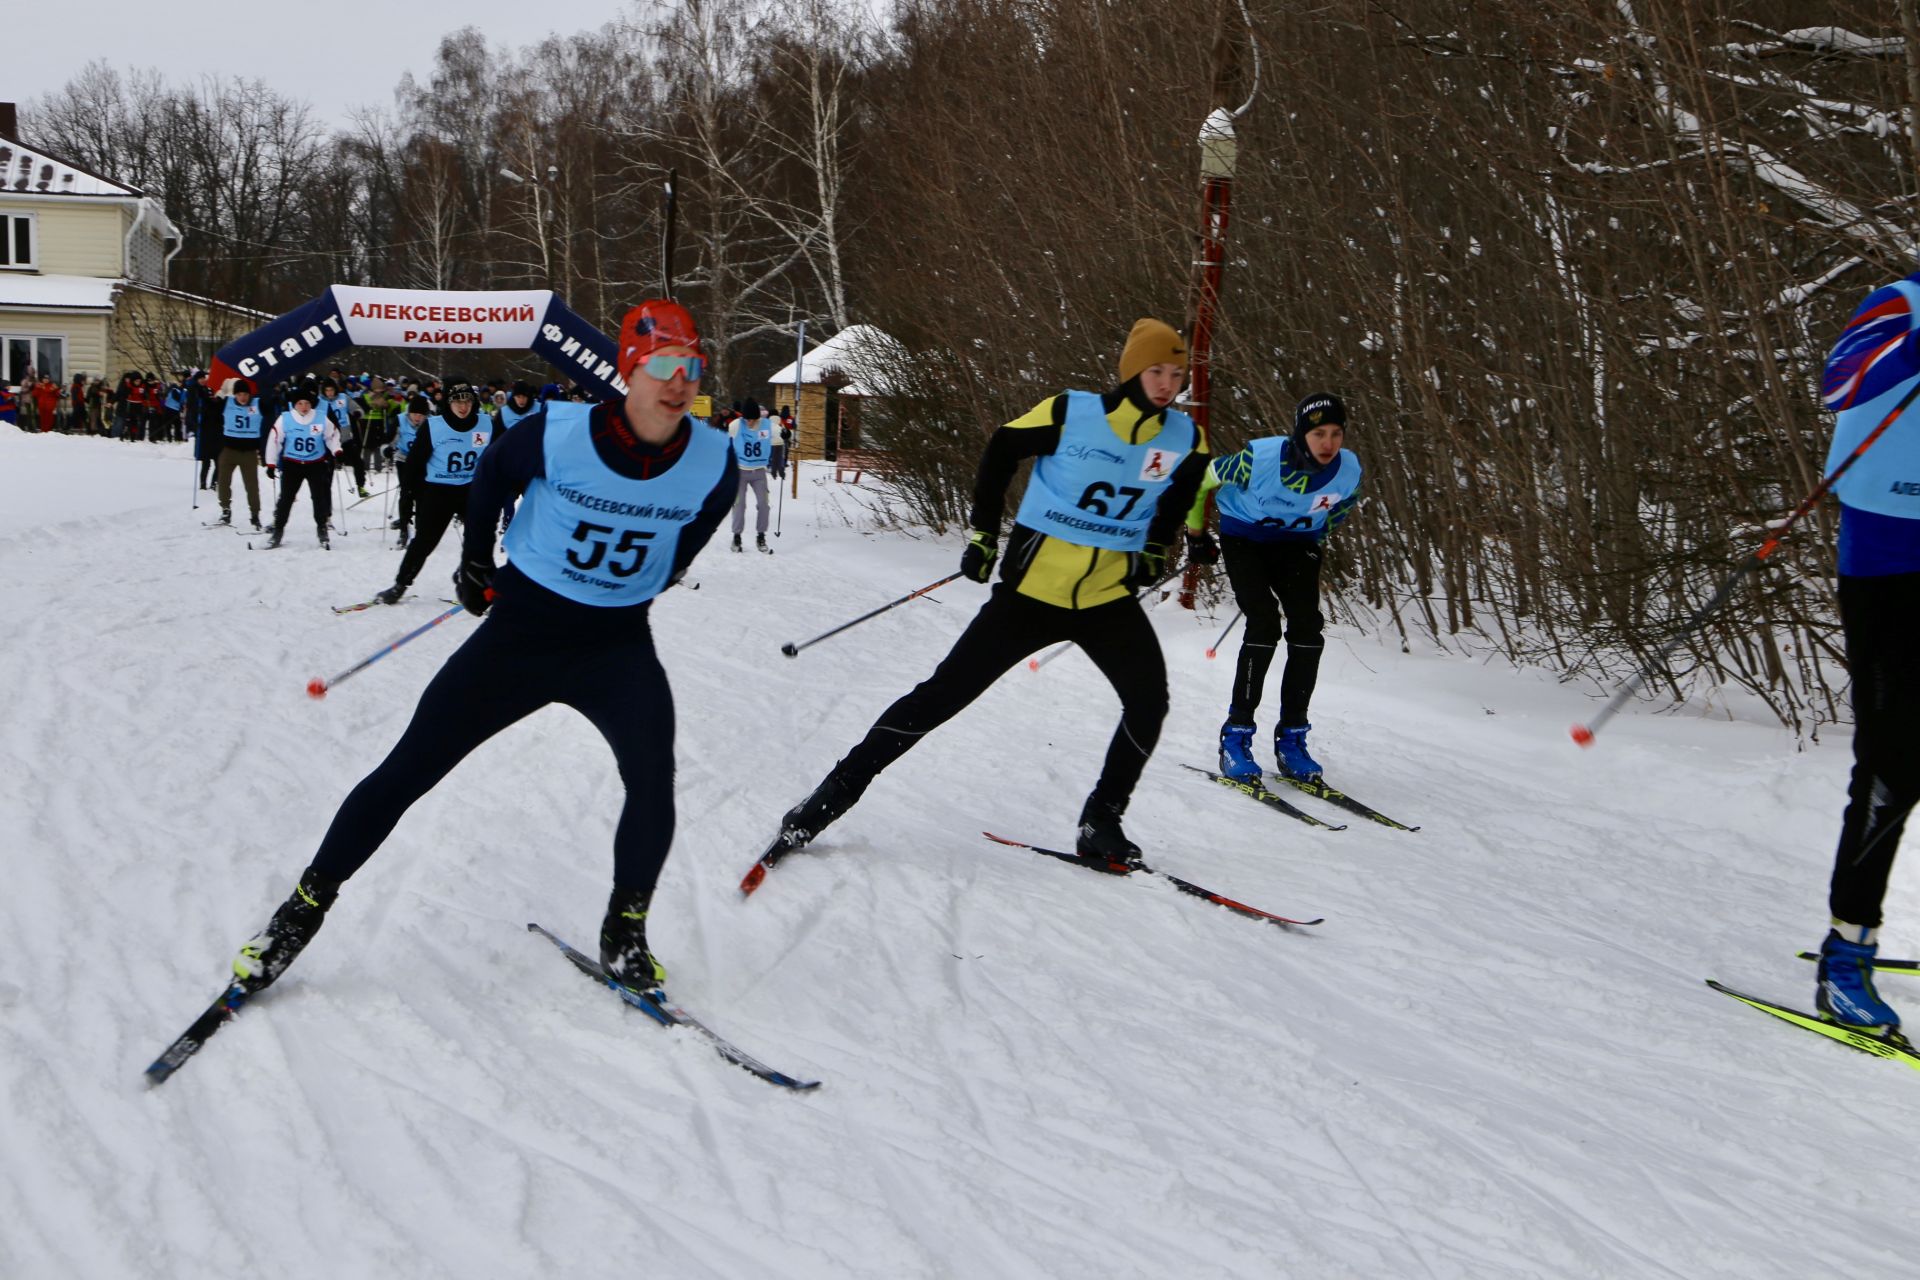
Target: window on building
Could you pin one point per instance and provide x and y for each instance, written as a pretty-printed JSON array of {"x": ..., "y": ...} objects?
[
  {"x": 16, "y": 240},
  {"x": 195, "y": 353},
  {"x": 21, "y": 352}
]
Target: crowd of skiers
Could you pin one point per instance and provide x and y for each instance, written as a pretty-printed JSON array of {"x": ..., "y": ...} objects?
[
  {"x": 615, "y": 499},
  {"x": 603, "y": 507}
]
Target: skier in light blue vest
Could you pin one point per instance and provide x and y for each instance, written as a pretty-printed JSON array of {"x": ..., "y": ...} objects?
[
  {"x": 303, "y": 442},
  {"x": 1872, "y": 368},
  {"x": 242, "y": 438},
  {"x": 1280, "y": 499},
  {"x": 753, "y": 437},
  {"x": 419, "y": 409},
  {"x": 618, "y": 498},
  {"x": 1113, "y": 476},
  {"x": 439, "y": 465}
]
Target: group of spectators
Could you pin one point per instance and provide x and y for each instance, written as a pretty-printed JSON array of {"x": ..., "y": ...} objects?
[
  {"x": 141, "y": 406},
  {"x": 138, "y": 407}
]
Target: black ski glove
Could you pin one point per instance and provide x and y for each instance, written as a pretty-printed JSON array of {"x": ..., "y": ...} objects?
[
  {"x": 1202, "y": 549},
  {"x": 473, "y": 585},
  {"x": 1148, "y": 567},
  {"x": 976, "y": 561}
]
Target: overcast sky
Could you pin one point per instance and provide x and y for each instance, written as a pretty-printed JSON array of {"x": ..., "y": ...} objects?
[{"x": 338, "y": 55}]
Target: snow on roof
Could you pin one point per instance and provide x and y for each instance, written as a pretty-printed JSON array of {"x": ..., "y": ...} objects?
[
  {"x": 65, "y": 293},
  {"x": 860, "y": 352},
  {"x": 22, "y": 168},
  {"x": 200, "y": 299}
]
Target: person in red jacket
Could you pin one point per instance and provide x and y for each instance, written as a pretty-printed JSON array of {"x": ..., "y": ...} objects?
[{"x": 46, "y": 398}]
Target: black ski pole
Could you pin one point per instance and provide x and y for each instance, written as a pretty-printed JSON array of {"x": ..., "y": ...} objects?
[
  {"x": 792, "y": 650},
  {"x": 1584, "y": 733},
  {"x": 1214, "y": 648}
]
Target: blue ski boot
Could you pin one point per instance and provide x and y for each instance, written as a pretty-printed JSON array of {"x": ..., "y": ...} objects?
[
  {"x": 1846, "y": 993},
  {"x": 1290, "y": 754},
  {"x": 1236, "y": 753}
]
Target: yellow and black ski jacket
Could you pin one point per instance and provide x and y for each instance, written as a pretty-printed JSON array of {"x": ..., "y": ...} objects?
[{"x": 1051, "y": 569}]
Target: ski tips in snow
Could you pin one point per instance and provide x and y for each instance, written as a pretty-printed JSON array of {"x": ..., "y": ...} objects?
[
  {"x": 1109, "y": 867},
  {"x": 1895, "y": 1045},
  {"x": 1258, "y": 791},
  {"x": 654, "y": 1003},
  {"x": 217, "y": 1015}
]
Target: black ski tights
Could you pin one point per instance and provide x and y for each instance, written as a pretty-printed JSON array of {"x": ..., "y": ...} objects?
[
  {"x": 1880, "y": 617},
  {"x": 1116, "y": 636},
  {"x": 507, "y": 670},
  {"x": 1271, "y": 578}
]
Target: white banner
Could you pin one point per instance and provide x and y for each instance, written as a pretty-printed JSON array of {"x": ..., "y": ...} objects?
[{"x": 504, "y": 318}]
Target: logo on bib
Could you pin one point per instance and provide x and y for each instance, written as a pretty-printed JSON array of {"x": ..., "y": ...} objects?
[
  {"x": 1327, "y": 501},
  {"x": 1159, "y": 464},
  {"x": 479, "y": 437}
]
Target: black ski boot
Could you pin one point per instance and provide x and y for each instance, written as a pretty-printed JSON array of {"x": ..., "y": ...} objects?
[
  {"x": 736, "y": 543},
  {"x": 256, "y": 521},
  {"x": 324, "y": 544},
  {"x": 226, "y": 517},
  {"x": 832, "y": 798},
  {"x": 760, "y": 541},
  {"x": 392, "y": 594},
  {"x": 623, "y": 941},
  {"x": 1102, "y": 841},
  {"x": 266, "y": 955},
  {"x": 273, "y": 539}
]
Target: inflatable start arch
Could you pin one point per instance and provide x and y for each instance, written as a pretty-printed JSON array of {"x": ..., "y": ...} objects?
[{"x": 351, "y": 316}]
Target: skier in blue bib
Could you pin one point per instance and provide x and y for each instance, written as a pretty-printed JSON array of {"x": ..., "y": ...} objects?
[
  {"x": 1113, "y": 476},
  {"x": 1280, "y": 499},
  {"x": 617, "y": 499},
  {"x": 405, "y": 432},
  {"x": 303, "y": 442},
  {"x": 439, "y": 465},
  {"x": 753, "y": 437},
  {"x": 242, "y": 437},
  {"x": 1873, "y": 366}
]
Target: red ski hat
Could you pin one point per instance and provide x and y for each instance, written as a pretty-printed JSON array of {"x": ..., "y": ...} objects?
[{"x": 653, "y": 324}]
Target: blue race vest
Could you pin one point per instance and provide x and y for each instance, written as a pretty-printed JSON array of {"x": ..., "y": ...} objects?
[
  {"x": 455, "y": 452},
  {"x": 1886, "y": 480},
  {"x": 1096, "y": 490},
  {"x": 303, "y": 442},
  {"x": 587, "y": 532},
  {"x": 1267, "y": 505},
  {"x": 404, "y": 433},
  {"x": 753, "y": 444},
  {"x": 241, "y": 422},
  {"x": 510, "y": 416}
]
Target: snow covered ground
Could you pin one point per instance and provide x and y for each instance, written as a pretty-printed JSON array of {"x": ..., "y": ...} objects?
[{"x": 1495, "y": 1059}]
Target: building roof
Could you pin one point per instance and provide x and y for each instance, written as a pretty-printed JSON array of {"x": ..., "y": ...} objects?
[
  {"x": 58, "y": 293},
  {"x": 33, "y": 171},
  {"x": 199, "y": 299},
  {"x": 859, "y": 352},
  {"x": 94, "y": 294}
]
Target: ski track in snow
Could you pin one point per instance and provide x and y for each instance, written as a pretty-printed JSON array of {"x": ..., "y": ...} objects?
[{"x": 1495, "y": 1059}]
